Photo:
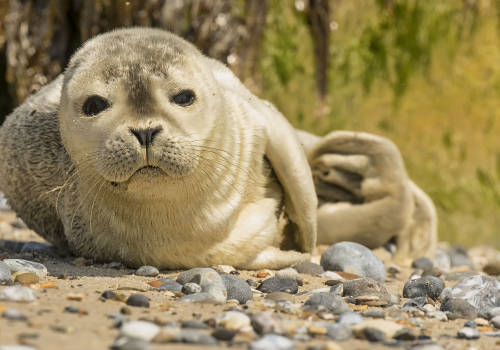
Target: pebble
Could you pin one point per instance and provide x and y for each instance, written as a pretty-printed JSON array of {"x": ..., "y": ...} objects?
[
  {"x": 273, "y": 342},
  {"x": 468, "y": 333},
  {"x": 115, "y": 265},
  {"x": 350, "y": 318},
  {"x": 267, "y": 323},
  {"x": 459, "y": 259},
  {"x": 422, "y": 263},
  {"x": 27, "y": 278},
  {"x": 281, "y": 296},
  {"x": 224, "y": 268},
  {"x": 5, "y": 274},
  {"x": 140, "y": 330},
  {"x": 18, "y": 265},
  {"x": 489, "y": 313},
  {"x": 333, "y": 303},
  {"x": 337, "y": 331},
  {"x": 108, "y": 294},
  {"x": 429, "y": 286},
  {"x": 388, "y": 328},
  {"x": 495, "y": 321},
  {"x": 338, "y": 289},
  {"x": 353, "y": 258},
  {"x": 375, "y": 313},
  {"x": 119, "y": 319},
  {"x": 237, "y": 289},
  {"x": 458, "y": 275},
  {"x": 460, "y": 308},
  {"x": 279, "y": 284},
  {"x": 480, "y": 291},
  {"x": 124, "y": 343},
  {"x": 79, "y": 262},
  {"x": 209, "y": 281},
  {"x": 72, "y": 309},
  {"x": 75, "y": 296},
  {"x": 194, "y": 337},
  {"x": 37, "y": 249},
  {"x": 251, "y": 283},
  {"x": 415, "y": 302},
  {"x": 366, "y": 286},
  {"x": 372, "y": 335},
  {"x": 442, "y": 260},
  {"x": 232, "y": 320},
  {"x": 171, "y": 286},
  {"x": 194, "y": 324},
  {"x": 193, "y": 298},
  {"x": 288, "y": 272},
  {"x": 223, "y": 334},
  {"x": 147, "y": 271},
  {"x": 139, "y": 300},
  {"x": 18, "y": 294},
  {"x": 14, "y": 315},
  {"x": 441, "y": 316},
  {"x": 191, "y": 288},
  {"x": 265, "y": 273},
  {"x": 309, "y": 268},
  {"x": 433, "y": 271},
  {"x": 332, "y": 276},
  {"x": 470, "y": 324},
  {"x": 444, "y": 294},
  {"x": 492, "y": 268}
]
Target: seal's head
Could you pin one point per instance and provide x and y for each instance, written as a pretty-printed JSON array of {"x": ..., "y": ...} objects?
[{"x": 137, "y": 108}]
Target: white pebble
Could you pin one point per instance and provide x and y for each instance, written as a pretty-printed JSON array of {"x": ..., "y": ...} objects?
[{"x": 140, "y": 330}]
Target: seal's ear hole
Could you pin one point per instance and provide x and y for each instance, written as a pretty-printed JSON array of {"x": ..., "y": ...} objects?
[
  {"x": 184, "y": 98},
  {"x": 94, "y": 105}
]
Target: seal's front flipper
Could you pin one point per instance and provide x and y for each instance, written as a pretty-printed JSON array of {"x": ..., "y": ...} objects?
[{"x": 274, "y": 259}]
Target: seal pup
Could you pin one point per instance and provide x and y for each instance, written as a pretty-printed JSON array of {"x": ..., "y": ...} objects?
[{"x": 147, "y": 152}]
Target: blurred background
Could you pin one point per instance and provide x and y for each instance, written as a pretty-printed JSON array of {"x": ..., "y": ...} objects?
[{"x": 425, "y": 74}]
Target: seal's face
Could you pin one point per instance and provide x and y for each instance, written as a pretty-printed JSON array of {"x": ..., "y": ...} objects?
[{"x": 134, "y": 111}]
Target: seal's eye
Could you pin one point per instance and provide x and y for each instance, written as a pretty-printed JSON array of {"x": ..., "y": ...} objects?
[
  {"x": 94, "y": 105},
  {"x": 184, "y": 98}
]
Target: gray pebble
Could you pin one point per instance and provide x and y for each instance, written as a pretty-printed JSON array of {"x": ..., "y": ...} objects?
[
  {"x": 188, "y": 275},
  {"x": 480, "y": 291},
  {"x": 191, "y": 288},
  {"x": 460, "y": 308},
  {"x": 422, "y": 263},
  {"x": 442, "y": 260},
  {"x": 108, "y": 294},
  {"x": 279, "y": 284},
  {"x": 281, "y": 296},
  {"x": 251, "y": 283},
  {"x": 373, "y": 334},
  {"x": 415, "y": 302},
  {"x": 119, "y": 319},
  {"x": 350, "y": 318},
  {"x": 338, "y": 289},
  {"x": 171, "y": 286},
  {"x": 444, "y": 294},
  {"x": 124, "y": 343},
  {"x": 209, "y": 281},
  {"x": 353, "y": 258},
  {"x": 237, "y": 289},
  {"x": 37, "y": 249},
  {"x": 194, "y": 324},
  {"x": 18, "y": 293},
  {"x": 495, "y": 321},
  {"x": 193, "y": 298},
  {"x": 366, "y": 286},
  {"x": 14, "y": 315},
  {"x": 72, "y": 309},
  {"x": 224, "y": 334},
  {"x": 288, "y": 272},
  {"x": 459, "y": 275},
  {"x": 470, "y": 324},
  {"x": 273, "y": 342},
  {"x": 138, "y": 300},
  {"x": 194, "y": 337},
  {"x": 468, "y": 333},
  {"x": 338, "y": 331},
  {"x": 459, "y": 259},
  {"x": 115, "y": 265},
  {"x": 17, "y": 265},
  {"x": 489, "y": 313},
  {"x": 441, "y": 316},
  {"x": 331, "y": 302},
  {"x": 309, "y": 268},
  {"x": 267, "y": 323},
  {"x": 429, "y": 286},
  {"x": 5, "y": 274},
  {"x": 147, "y": 271},
  {"x": 375, "y": 313}
]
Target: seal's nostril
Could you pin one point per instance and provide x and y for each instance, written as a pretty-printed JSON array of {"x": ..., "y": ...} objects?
[{"x": 146, "y": 136}]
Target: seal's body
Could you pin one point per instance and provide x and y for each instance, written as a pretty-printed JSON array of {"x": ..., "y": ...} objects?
[{"x": 149, "y": 153}]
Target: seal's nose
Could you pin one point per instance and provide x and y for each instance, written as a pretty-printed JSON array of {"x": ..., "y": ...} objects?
[{"x": 146, "y": 136}]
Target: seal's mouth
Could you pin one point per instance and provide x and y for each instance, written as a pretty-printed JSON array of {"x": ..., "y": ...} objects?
[{"x": 149, "y": 170}]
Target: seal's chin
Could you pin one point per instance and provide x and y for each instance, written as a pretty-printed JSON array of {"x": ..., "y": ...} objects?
[{"x": 147, "y": 172}]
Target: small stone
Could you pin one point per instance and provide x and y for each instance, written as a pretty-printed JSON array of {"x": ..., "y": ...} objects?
[
  {"x": 406, "y": 334},
  {"x": 232, "y": 320},
  {"x": 279, "y": 284},
  {"x": 442, "y": 260},
  {"x": 481, "y": 321},
  {"x": 458, "y": 275},
  {"x": 495, "y": 321},
  {"x": 14, "y": 315},
  {"x": 147, "y": 271},
  {"x": 375, "y": 313},
  {"x": 5, "y": 274},
  {"x": 138, "y": 300},
  {"x": 273, "y": 342},
  {"x": 417, "y": 302},
  {"x": 17, "y": 265},
  {"x": 441, "y": 316},
  {"x": 468, "y": 333},
  {"x": 194, "y": 324},
  {"x": 209, "y": 281},
  {"x": 72, "y": 310},
  {"x": 460, "y": 308},
  {"x": 338, "y": 289},
  {"x": 48, "y": 285},
  {"x": 422, "y": 263},
  {"x": 27, "y": 278},
  {"x": 366, "y": 286},
  {"x": 267, "y": 323},
  {"x": 363, "y": 298},
  {"x": 198, "y": 297},
  {"x": 75, "y": 296},
  {"x": 309, "y": 268},
  {"x": 429, "y": 308},
  {"x": 237, "y": 289},
  {"x": 470, "y": 324},
  {"x": 191, "y": 288},
  {"x": 63, "y": 276},
  {"x": 331, "y": 302},
  {"x": 156, "y": 284},
  {"x": 108, "y": 295},
  {"x": 350, "y": 318},
  {"x": 36, "y": 249},
  {"x": 224, "y": 268},
  {"x": 426, "y": 286},
  {"x": 444, "y": 294},
  {"x": 171, "y": 286},
  {"x": 264, "y": 273},
  {"x": 433, "y": 271},
  {"x": 333, "y": 282},
  {"x": 393, "y": 269},
  {"x": 251, "y": 283},
  {"x": 459, "y": 259},
  {"x": 223, "y": 334},
  {"x": 63, "y": 329},
  {"x": 79, "y": 262},
  {"x": 194, "y": 337},
  {"x": 480, "y": 291},
  {"x": 388, "y": 328},
  {"x": 492, "y": 268},
  {"x": 337, "y": 331},
  {"x": 288, "y": 272},
  {"x": 334, "y": 276},
  {"x": 115, "y": 265},
  {"x": 18, "y": 294},
  {"x": 372, "y": 335},
  {"x": 317, "y": 329},
  {"x": 353, "y": 258},
  {"x": 140, "y": 330},
  {"x": 281, "y": 296},
  {"x": 124, "y": 343},
  {"x": 489, "y": 313},
  {"x": 167, "y": 335}
]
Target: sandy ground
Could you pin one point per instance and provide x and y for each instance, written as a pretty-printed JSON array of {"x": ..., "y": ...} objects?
[{"x": 50, "y": 327}]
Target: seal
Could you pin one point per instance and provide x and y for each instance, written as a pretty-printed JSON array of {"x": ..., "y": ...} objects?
[{"x": 147, "y": 152}]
